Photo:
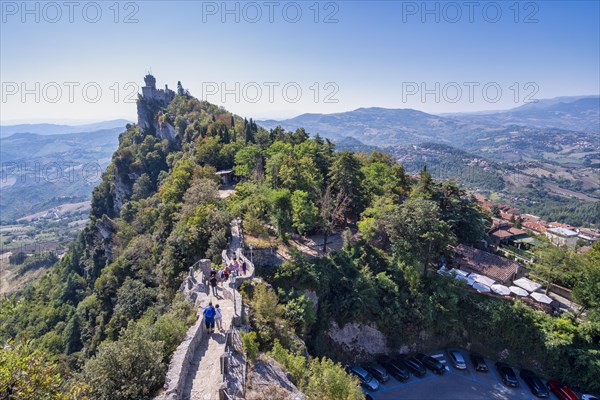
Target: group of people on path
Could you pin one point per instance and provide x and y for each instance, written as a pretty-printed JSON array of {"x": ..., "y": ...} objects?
[
  {"x": 234, "y": 268},
  {"x": 213, "y": 315}
]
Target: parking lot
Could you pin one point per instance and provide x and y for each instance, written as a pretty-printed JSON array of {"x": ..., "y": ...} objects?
[{"x": 455, "y": 385}]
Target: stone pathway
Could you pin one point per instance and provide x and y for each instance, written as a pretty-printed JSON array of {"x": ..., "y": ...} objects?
[
  {"x": 236, "y": 237},
  {"x": 204, "y": 373}
]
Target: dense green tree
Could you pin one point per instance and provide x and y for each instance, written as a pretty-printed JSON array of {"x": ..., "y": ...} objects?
[
  {"x": 304, "y": 212},
  {"x": 142, "y": 187},
  {"x": 384, "y": 177},
  {"x": 129, "y": 369},
  {"x": 27, "y": 373},
  {"x": 553, "y": 264},
  {"x": 331, "y": 209},
  {"x": 418, "y": 224},
  {"x": 467, "y": 221},
  {"x": 72, "y": 335},
  {"x": 17, "y": 258},
  {"x": 281, "y": 210},
  {"x": 587, "y": 290},
  {"x": 249, "y": 162},
  {"x": 345, "y": 178},
  {"x": 425, "y": 186}
]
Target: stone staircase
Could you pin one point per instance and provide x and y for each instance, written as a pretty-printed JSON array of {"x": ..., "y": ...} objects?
[{"x": 195, "y": 370}]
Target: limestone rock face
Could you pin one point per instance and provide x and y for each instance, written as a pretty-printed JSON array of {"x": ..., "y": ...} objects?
[
  {"x": 122, "y": 192},
  {"x": 166, "y": 131},
  {"x": 312, "y": 296},
  {"x": 149, "y": 103},
  {"x": 359, "y": 339},
  {"x": 268, "y": 380},
  {"x": 107, "y": 228}
]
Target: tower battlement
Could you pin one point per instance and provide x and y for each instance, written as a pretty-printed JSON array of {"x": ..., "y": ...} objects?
[{"x": 150, "y": 92}]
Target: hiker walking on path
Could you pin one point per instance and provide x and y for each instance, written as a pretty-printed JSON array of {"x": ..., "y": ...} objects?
[
  {"x": 213, "y": 282},
  {"x": 209, "y": 318},
  {"x": 244, "y": 268},
  {"x": 222, "y": 277},
  {"x": 218, "y": 318},
  {"x": 236, "y": 266}
]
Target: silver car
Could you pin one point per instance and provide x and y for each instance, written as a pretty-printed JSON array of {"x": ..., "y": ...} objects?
[
  {"x": 457, "y": 359},
  {"x": 366, "y": 380}
]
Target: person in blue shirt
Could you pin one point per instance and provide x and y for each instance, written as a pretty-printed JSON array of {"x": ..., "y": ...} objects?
[{"x": 209, "y": 318}]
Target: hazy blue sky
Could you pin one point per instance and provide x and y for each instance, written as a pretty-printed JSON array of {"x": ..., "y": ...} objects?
[{"x": 347, "y": 55}]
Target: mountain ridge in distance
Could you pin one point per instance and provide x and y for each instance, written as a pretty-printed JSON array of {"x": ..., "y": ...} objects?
[
  {"x": 575, "y": 113},
  {"x": 401, "y": 126},
  {"x": 59, "y": 129}
]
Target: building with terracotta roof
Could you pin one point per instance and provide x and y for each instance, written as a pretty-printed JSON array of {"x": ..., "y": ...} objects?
[
  {"x": 534, "y": 226},
  {"x": 498, "y": 268},
  {"x": 557, "y": 224},
  {"x": 508, "y": 234}
]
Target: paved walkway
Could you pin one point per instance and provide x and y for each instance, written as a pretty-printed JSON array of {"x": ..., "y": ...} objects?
[
  {"x": 236, "y": 237},
  {"x": 204, "y": 373}
]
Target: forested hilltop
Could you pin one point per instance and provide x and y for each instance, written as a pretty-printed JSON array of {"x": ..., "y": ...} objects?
[{"x": 104, "y": 321}]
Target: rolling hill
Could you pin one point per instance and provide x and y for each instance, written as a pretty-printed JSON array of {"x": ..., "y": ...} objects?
[
  {"x": 54, "y": 129},
  {"x": 46, "y": 170},
  {"x": 581, "y": 113}
]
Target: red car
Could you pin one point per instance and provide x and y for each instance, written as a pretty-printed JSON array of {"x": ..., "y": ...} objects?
[{"x": 561, "y": 391}]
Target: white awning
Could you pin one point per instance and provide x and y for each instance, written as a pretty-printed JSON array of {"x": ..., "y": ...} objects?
[
  {"x": 542, "y": 298},
  {"x": 461, "y": 276},
  {"x": 481, "y": 288},
  {"x": 519, "y": 291},
  {"x": 527, "y": 284},
  {"x": 482, "y": 279},
  {"x": 500, "y": 289}
]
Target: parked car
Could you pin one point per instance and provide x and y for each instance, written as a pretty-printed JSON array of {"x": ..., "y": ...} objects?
[
  {"x": 561, "y": 391},
  {"x": 479, "y": 363},
  {"x": 589, "y": 397},
  {"x": 507, "y": 374},
  {"x": 457, "y": 359},
  {"x": 378, "y": 372},
  {"x": 431, "y": 363},
  {"x": 415, "y": 366},
  {"x": 536, "y": 385},
  {"x": 366, "y": 380},
  {"x": 397, "y": 368},
  {"x": 368, "y": 396}
]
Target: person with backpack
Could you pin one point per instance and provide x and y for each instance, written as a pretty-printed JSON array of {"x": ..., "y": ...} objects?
[
  {"x": 236, "y": 267},
  {"x": 231, "y": 268},
  {"x": 226, "y": 272},
  {"x": 209, "y": 318},
  {"x": 213, "y": 283},
  {"x": 218, "y": 318}
]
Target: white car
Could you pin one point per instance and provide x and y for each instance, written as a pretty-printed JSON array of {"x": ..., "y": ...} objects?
[{"x": 457, "y": 359}]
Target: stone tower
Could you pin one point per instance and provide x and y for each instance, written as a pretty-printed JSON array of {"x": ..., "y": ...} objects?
[{"x": 149, "y": 103}]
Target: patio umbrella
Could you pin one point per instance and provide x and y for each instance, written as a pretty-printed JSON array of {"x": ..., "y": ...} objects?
[
  {"x": 461, "y": 276},
  {"x": 482, "y": 279},
  {"x": 542, "y": 298},
  {"x": 500, "y": 289},
  {"x": 458, "y": 272},
  {"x": 518, "y": 291},
  {"x": 527, "y": 284},
  {"x": 481, "y": 288}
]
